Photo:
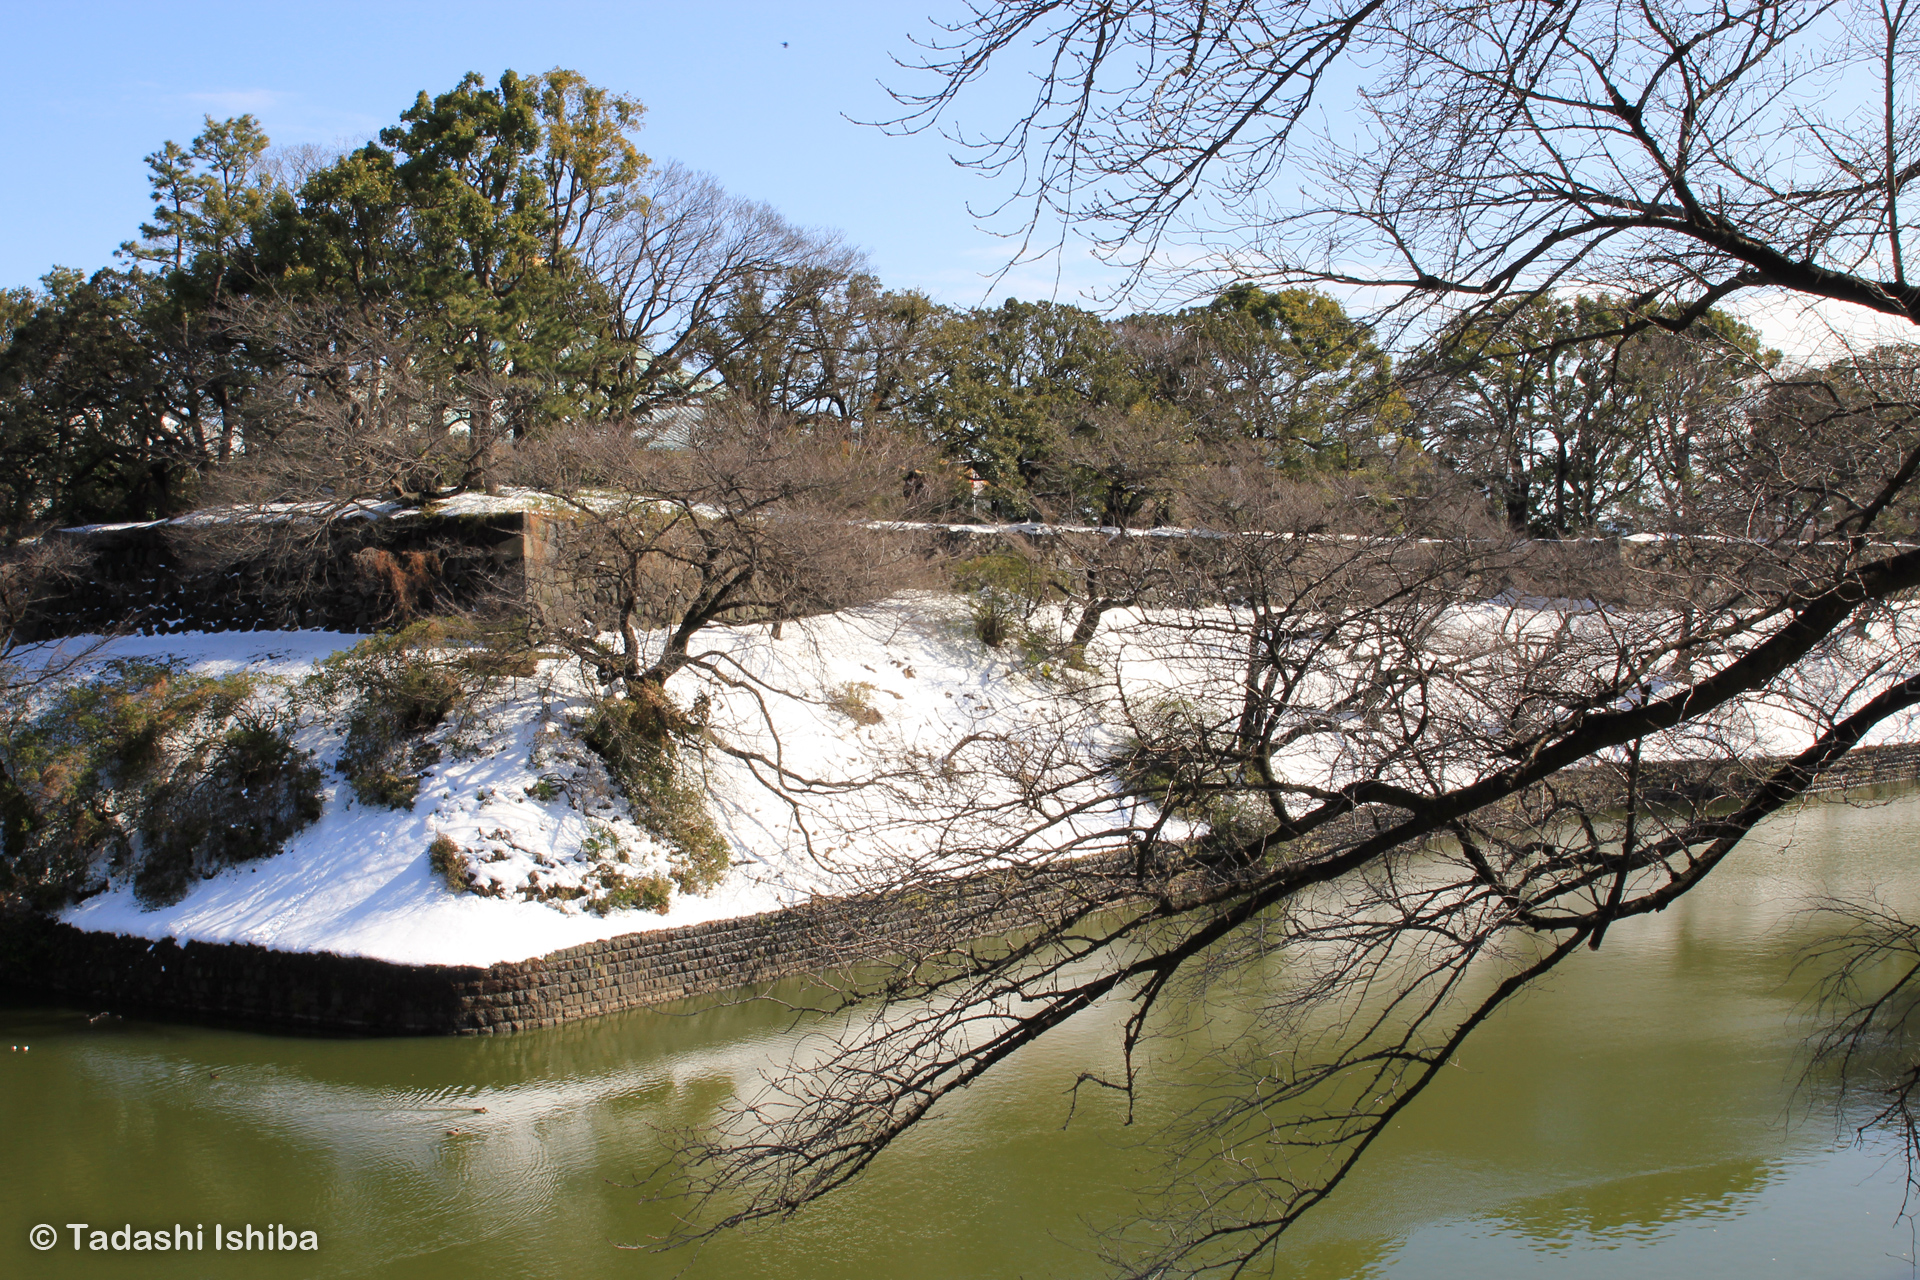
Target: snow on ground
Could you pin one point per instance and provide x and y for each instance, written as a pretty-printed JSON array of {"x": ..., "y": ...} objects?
[
  {"x": 357, "y": 882},
  {"x": 515, "y": 790}
]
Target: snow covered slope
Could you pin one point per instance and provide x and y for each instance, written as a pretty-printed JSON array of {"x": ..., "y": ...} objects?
[
  {"x": 866, "y": 712},
  {"x": 357, "y": 882}
]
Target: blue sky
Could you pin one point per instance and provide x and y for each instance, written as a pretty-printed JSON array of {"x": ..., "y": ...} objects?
[{"x": 755, "y": 93}]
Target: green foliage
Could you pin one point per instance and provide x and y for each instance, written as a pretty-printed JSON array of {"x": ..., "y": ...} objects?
[
  {"x": 602, "y": 843},
  {"x": 150, "y": 771},
  {"x": 618, "y": 890},
  {"x": 640, "y": 738},
  {"x": 1852, "y": 423},
  {"x": 464, "y": 220},
  {"x": 118, "y": 391},
  {"x": 92, "y": 417},
  {"x": 1567, "y": 433},
  {"x": 1065, "y": 415},
  {"x": 398, "y": 687},
  {"x": 255, "y": 791},
  {"x": 16, "y": 305},
  {"x": 1003, "y": 592},
  {"x": 491, "y": 650},
  {"x": 206, "y": 200},
  {"x": 647, "y": 893},
  {"x": 459, "y": 230},
  {"x": 1021, "y": 577},
  {"x": 1290, "y": 370},
  {"x": 437, "y": 275},
  {"x": 449, "y": 862},
  {"x": 1007, "y": 383}
]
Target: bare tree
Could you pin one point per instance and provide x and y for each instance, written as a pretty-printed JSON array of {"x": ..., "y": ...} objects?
[
  {"x": 647, "y": 547},
  {"x": 288, "y": 166},
  {"x": 1408, "y": 803},
  {"x": 1408, "y": 796},
  {"x": 31, "y": 573},
  {"x": 349, "y": 416},
  {"x": 695, "y": 278},
  {"x": 751, "y": 521},
  {"x": 1671, "y": 153}
]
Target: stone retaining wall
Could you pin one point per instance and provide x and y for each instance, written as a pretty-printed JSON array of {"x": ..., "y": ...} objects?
[
  {"x": 325, "y": 992},
  {"x": 162, "y": 578},
  {"x": 1869, "y": 767},
  {"x": 321, "y": 991}
]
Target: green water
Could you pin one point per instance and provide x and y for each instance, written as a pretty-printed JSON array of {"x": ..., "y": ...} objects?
[{"x": 1639, "y": 1117}]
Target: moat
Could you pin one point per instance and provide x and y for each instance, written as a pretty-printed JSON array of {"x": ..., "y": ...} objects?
[{"x": 1644, "y": 1114}]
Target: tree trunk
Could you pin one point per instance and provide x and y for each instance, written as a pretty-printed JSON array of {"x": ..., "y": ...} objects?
[{"x": 1084, "y": 629}]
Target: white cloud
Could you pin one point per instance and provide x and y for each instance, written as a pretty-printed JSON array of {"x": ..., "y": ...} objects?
[{"x": 1817, "y": 330}]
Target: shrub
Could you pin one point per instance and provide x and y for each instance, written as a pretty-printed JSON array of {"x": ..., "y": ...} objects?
[
  {"x": 1005, "y": 590},
  {"x": 149, "y": 770},
  {"x": 490, "y": 649},
  {"x": 854, "y": 701},
  {"x": 640, "y": 737},
  {"x": 449, "y": 862},
  {"x": 649, "y": 893},
  {"x": 1005, "y": 593},
  {"x": 401, "y": 687},
  {"x": 992, "y": 621},
  {"x": 1171, "y": 761},
  {"x": 255, "y": 792}
]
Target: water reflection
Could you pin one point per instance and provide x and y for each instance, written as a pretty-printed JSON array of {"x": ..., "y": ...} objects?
[
  {"x": 1637, "y": 1117},
  {"x": 1639, "y": 1208}
]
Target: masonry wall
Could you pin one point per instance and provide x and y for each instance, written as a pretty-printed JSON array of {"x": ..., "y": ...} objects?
[
  {"x": 163, "y": 578},
  {"x": 324, "y": 992},
  {"x": 321, "y": 991},
  {"x": 1869, "y": 767}
]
